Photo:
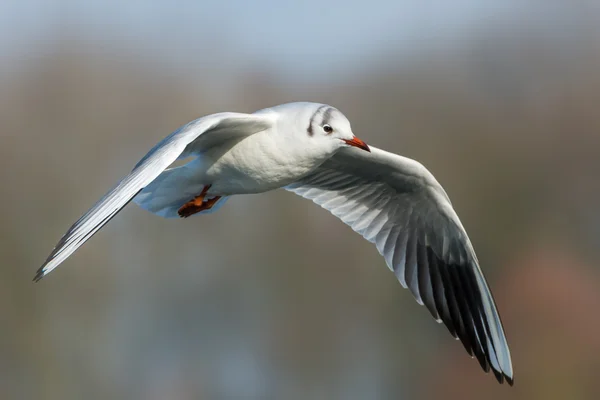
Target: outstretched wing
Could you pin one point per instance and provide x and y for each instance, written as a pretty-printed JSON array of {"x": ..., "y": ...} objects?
[
  {"x": 396, "y": 203},
  {"x": 188, "y": 140}
]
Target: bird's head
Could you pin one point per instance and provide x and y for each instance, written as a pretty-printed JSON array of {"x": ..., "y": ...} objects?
[{"x": 330, "y": 129}]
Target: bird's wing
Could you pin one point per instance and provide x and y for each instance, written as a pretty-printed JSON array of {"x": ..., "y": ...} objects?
[
  {"x": 188, "y": 140},
  {"x": 396, "y": 203}
]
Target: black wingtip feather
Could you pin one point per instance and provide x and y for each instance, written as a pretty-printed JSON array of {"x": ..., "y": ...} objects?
[
  {"x": 475, "y": 307},
  {"x": 463, "y": 310},
  {"x": 454, "y": 307},
  {"x": 425, "y": 281},
  {"x": 438, "y": 292},
  {"x": 38, "y": 275},
  {"x": 481, "y": 326},
  {"x": 499, "y": 376},
  {"x": 465, "y": 314}
]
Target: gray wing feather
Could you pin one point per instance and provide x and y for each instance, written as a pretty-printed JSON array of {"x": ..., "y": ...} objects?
[
  {"x": 395, "y": 203},
  {"x": 179, "y": 144}
]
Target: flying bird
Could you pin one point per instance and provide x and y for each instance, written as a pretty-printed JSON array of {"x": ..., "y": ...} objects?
[{"x": 309, "y": 149}]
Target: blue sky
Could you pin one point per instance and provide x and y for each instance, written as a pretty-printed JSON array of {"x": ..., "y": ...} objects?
[{"x": 311, "y": 36}]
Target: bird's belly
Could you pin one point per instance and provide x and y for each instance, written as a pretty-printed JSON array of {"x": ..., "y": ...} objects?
[{"x": 250, "y": 167}]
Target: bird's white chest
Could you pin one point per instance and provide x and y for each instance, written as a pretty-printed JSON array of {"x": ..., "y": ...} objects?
[{"x": 258, "y": 163}]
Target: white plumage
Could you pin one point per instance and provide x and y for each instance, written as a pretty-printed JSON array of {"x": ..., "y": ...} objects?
[{"x": 309, "y": 149}]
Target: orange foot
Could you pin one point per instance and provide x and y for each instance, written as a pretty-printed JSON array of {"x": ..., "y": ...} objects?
[{"x": 197, "y": 204}]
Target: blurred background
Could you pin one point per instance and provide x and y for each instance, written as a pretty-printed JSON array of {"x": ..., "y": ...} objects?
[{"x": 272, "y": 297}]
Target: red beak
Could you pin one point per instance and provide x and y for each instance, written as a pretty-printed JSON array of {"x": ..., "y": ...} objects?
[{"x": 356, "y": 142}]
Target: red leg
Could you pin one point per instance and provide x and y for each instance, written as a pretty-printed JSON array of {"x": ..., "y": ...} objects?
[
  {"x": 190, "y": 208},
  {"x": 198, "y": 204}
]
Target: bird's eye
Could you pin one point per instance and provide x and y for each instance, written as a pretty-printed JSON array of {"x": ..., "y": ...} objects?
[{"x": 327, "y": 128}]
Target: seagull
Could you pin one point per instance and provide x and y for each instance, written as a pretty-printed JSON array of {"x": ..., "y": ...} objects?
[{"x": 309, "y": 149}]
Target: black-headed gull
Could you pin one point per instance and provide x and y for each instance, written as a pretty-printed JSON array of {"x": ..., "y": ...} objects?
[{"x": 309, "y": 149}]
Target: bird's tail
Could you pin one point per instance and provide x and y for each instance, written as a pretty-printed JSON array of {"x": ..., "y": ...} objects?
[{"x": 171, "y": 190}]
